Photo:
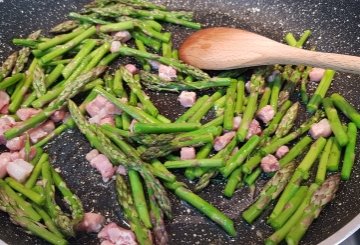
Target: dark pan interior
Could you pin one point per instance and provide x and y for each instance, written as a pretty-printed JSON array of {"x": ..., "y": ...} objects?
[{"x": 336, "y": 28}]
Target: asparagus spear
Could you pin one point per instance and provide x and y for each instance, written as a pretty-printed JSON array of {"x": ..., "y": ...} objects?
[
  {"x": 274, "y": 98},
  {"x": 349, "y": 156},
  {"x": 334, "y": 157},
  {"x": 8, "y": 65},
  {"x": 346, "y": 108},
  {"x": 38, "y": 81},
  {"x": 335, "y": 123},
  {"x": 230, "y": 106},
  {"x": 65, "y": 26},
  {"x": 143, "y": 235},
  {"x": 270, "y": 192},
  {"x": 159, "y": 128},
  {"x": 240, "y": 94},
  {"x": 319, "y": 199},
  {"x": 288, "y": 120},
  {"x": 209, "y": 163},
  {"x": 195, "y": 107},
  {"x": 321, "y": 171}
]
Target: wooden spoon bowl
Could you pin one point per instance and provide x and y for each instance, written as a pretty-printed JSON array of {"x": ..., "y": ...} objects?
[{"x": 222, "y": 48}]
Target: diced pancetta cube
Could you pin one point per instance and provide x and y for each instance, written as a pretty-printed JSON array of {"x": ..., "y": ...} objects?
[
  {"x": 4, "y": 99},
  {"x": 269, "y": 164},
  {"x": 104, "y": 166},
  {"x": 6, "y": 123},
  {"x": 122, "y": 36},
  {"x": 187, "y": 99},
  {"x": 59, "y": 115},
  {"x": 91, "y": 155},
  {"x": 132, "y": 68},
  {"x": 41, "y": 131},
  {"x": 222, "y": 141},
  {"x": 187, "y": 153},
  {"x": 117, "y": 235},
  {"x": 16, "y": 144},
  {"x": 266, "y": 114},
  {"x": 281, "y": 151},
  {"x": 26, "y": 113},
  {"x": 236, "y": 123},
  {"x": 115, "y": 46},
  {"x": 320, "y": 129},
  {"x": 19, "y": 169},
  {"x": 254, "y": 128},
  {"x": 316, "y": 74},
  {"x": 5, "y": 159},
  {"x": 92, "y": 222},
  {"x": 167, "y": 73}
]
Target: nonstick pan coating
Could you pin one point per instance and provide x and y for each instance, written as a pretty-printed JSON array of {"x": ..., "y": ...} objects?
[{"x": 336, "y": 28}]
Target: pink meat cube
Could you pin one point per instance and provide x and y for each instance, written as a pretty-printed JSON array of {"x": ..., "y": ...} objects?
[
  {"x": 122, "y": 36},
  {"x": 266, "y": 114},
  {"x": 5, "y": 159},
  {"x": 115, "y": 46},
  {"x": 6, "y": 123},
  {"x": 132, "y": 68},
  {"x": 187, "y": 99},
  {"x": 167, "y": 73},
  {"x": 26, "y": 113},
  {"x": 236, "y": 123},
  {"x": 320, "y": 129},
  {"x": 254, "y": 129},
  {"x": 92, "y": 222},
  {"x": 222, "y": 141},
  {"x": 16, "y": 143},
  {"x": 91, "y": 155},
  {"x": 19, "y": 169},
  {"x": 4, "y": 99},
  {"x": 282, "y": 151},
  {"x": 187, "y": 153},
  {"x": 59, "y": 115},
  {"x": 104, "y": 166},
  {"x": 117, "y": 235},
  {"x": 316, "y": 74},
  {"x": 269, "y": 164}
]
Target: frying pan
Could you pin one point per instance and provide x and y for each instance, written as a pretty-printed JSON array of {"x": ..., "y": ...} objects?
[{"x": 336, "y": 28}]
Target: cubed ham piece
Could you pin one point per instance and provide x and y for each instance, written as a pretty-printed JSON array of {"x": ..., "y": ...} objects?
[
  {"x": 41, "y": 131},
  {"x": 32, "y": 153},
  {"x": 19, "y": 169},
  {"x": 4, "y": 99},
  {"x": 107, "y": 242},
  {"x": 107, "y": 120},
  {"x": 115, "y": 46},
  {"x": 6, "y": 123},
  {"x": 16, "y": 155},
  {"x": 122, "y": 36},
  {"x": 117, "y": 235},
  {"x": 132, "y": 68},
  {"x": 266, "y": 114},
  {"x": 236, "y": 122},
  {"x": 5, "y": 159},
  {"x": 5, "y": 109},
  {"x": 121, "y": 170},
  {"x": 269, "y": 164},
  {"x": 16, "y": 143},
  {"x": 187, "y": 153},
  {"x": 92, "y": 154},
  {"x": 92, "y": 222},
  {"x": 187, "y": 99},
  {"x": 59, "y": 115},
  {"x": 222, "y": 141},
  {"x": 26, "y": 113},
  {"x": 281, "y": 151},
  {"x": 94, "y": 106},
  {"x": 254, "y": 128},
  {"x": 167, "y": 73},
  {"x": 104, "y": 166},
  {"x": 316, "y": 74},
  {"x": 320, "y": 129}
]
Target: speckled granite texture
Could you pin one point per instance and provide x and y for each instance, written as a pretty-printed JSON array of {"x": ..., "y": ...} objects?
[{"x": 336, "y": 28}]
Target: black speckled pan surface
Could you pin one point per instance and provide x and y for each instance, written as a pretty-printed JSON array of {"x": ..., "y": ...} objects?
[{"x": 336, "y": 28}]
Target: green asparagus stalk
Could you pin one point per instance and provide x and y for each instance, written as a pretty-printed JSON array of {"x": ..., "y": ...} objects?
[
  {"x": 251, "y": 178},
  {"x": 230, "y": 106},
  {"x": 209, "y": 163},
  {"x": 31, "y": 181},
  {"x": 335, "y": 123},
  {"x": 64, "y": 26},
  {"x": 275, "y": 90},
  {"x": 206, "y": 208},
  {"x": 321, "y": 171},
  {"x": 138, "y": 196},
  {"x": 32, "y": 195},
  {"x": 346, "y": 108},
  {"x": 9, "y": 81},
  {"x": 295, "y": 151},
  {"x": 290, "y": 208},
  {"x": 303, "y": 89},
  {"x": 281, "y": 233},
  {"x": 320, "y": 91},
  {"x": 38, "y": 81},
  {"x": 88, "y": 18},
  {"x": 265, "y": 98},
  {"x": 159, "y": 128},
  {"x": 232, "y": 183},
  {"x": 191, "y": 111},
  {"x": 60, "y": 39},
  {"x": 270, "y": 192},
  {"x": 303, "y": 38},
  {"x": 272, "y": 127},
  {"x": 125, "y": 200},
  {"x": 320, "y": 198},
  {"x": 202, "y": 111},
  {"x": 291, "y": 84},
  {"x": 290, "y": 39},
  {"x": 288, "y": 120},
  {"x": 334, "y": 157},
  {"x": 240, "y": 94},
  {"x": 8, "y": 65},
  {"x": 349, "y": 155},
  {"x": 48, "y": 221}
]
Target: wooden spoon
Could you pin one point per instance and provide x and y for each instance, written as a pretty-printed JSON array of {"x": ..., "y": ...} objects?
[{"x": 223, "y": 48}]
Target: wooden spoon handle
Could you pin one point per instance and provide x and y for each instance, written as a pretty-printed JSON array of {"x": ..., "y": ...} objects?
[{"x": 338, "y": 62}]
